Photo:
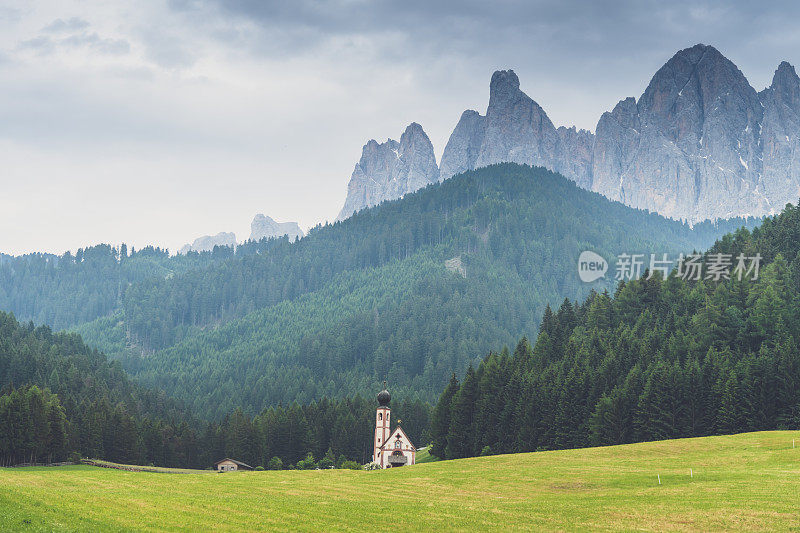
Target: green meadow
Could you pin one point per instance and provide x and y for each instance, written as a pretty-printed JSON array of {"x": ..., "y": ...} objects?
[{"x": 741, "y": 482}]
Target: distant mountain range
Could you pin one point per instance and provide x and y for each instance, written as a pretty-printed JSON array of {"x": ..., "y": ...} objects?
[
  {"x": 700, "y": 143},
  {"x": 206, "y": 243},
  {"x": 262, "y": 227}
]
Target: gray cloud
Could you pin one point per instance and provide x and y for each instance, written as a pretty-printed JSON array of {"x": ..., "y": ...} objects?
[
  {"x": 70, "y": 25},
  {"x": 41, "y": 44},
  {"x": 99, "y": 44},
  {"x": 591, "y": 52},
  {"x": 166, "y": 50},
  {"x": 73, "y": 33}
]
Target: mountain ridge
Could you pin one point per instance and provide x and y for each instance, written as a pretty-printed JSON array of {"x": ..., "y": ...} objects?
[{"x": 700, "y": 143}]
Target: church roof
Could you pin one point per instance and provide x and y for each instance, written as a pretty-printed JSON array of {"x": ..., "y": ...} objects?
[{"x": 398, "y": 429}]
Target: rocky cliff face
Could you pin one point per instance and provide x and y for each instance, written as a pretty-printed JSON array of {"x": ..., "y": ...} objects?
[
  {"x": 464, "y": 146},
  {"x": 265, "y": 227},
  {"x": 575, "y": 155},
  {"x": 780, "y": 137},
  {"x": 690, "y": 147},
  {"x": 206, "y": 243},
  {"x": 700, "y": 143},
  {"x": 389, "y": 170}
]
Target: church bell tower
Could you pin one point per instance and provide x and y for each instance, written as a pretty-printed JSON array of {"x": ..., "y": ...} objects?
[{"x": 382, "y": 427}]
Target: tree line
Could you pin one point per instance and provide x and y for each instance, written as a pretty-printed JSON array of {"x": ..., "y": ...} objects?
[
  {"x": 70, "y": 289},
  {"x": 60, "y": 399}
]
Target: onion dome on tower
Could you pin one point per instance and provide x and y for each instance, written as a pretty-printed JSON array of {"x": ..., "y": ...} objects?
[{"x": 384, "y": 397}]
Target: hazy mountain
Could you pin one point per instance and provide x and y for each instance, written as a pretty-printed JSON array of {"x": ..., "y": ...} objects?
[
  {"x": 265, "y": 227},
  {"x": 206, "y": 243},
  {"x": 699, "y": 143},
  {"x": 389, "y": 170}
]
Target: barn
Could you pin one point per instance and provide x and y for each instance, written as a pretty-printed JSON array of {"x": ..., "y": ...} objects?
[{"x": 230, "y": 465}]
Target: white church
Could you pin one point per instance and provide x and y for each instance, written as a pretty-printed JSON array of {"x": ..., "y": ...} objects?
[{"x": 391, "y": 448}]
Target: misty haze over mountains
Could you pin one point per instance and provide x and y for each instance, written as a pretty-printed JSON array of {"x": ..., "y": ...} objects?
[{"x": 699, "y": 143}]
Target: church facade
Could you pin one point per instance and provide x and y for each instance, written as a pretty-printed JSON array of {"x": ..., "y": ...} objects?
[{"x": 390, "y": 448}]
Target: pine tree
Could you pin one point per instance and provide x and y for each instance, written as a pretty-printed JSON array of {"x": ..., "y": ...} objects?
[
  {"x": 460, "y": 436},
  {"x": 728, "y": 419},
  {"x": 440, "y": 419}
]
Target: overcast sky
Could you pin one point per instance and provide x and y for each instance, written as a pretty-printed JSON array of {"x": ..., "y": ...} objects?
[{"x": 151, "y": 122}]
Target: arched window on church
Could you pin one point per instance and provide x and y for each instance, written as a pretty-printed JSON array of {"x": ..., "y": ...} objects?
[
  {"x": 380, "y": 416},
  {"x": 397, "y": 444}
]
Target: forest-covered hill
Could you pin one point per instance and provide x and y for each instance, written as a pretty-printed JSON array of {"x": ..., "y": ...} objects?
[
  {"x": 658, "y": 359},
  {"x": 58, "y": 396},
  {"x": 371, "y": 297},
  {"x": 355, "y": 302},
  {"x": 71, "y": 289}
]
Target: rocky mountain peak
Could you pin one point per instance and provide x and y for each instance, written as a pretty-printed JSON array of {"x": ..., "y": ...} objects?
[
  {"x": 785, "y": 84},
  {"x": 464, "y": 146},
  {"x": 691, "y": 149},
  {"x": 692, "y": 83},
  {"x": 263, "y": 227},
  {"x": 503, "y": 86},
  {"x": 413, "y": 139},
  {"x": 206, "y": 243},
  {"x": 517, "y": 129},
  {"x": 780, "y": 138},
  {"x": 413, "y": 129},
  {"x": 695, "y": 53},
  {"x": 625, "y": 107},
  {"x": 389, "y": 170},
  {"x": 785, "y": 68}
]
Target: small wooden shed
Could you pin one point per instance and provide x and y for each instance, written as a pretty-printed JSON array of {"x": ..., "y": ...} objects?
[{"x": 230, "y": 465}]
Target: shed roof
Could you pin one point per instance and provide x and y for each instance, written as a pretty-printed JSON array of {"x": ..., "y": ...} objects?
[{"x": 238, "y": 463}]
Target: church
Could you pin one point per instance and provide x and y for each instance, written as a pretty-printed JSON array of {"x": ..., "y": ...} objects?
[{"x": 391, "y": 448}]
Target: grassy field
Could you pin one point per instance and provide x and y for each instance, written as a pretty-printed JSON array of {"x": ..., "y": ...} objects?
[{"x": 741, "y": 482}]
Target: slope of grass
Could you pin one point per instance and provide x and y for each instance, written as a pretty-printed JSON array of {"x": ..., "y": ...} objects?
[
  {"x": 741, "y": 482},
  {"x": 424, "y": 455}
]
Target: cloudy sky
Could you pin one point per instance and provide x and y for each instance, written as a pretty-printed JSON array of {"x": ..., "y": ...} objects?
[{"x": 160, "y": 121}]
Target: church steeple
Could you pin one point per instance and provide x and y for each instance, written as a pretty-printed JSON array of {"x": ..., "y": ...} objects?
[
  {"x": 384, "y": 397},
  {"x": 382, "y": 424}
]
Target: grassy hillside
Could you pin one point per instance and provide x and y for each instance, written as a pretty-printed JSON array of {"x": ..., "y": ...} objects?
[{"x": 741, "y": 482}]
